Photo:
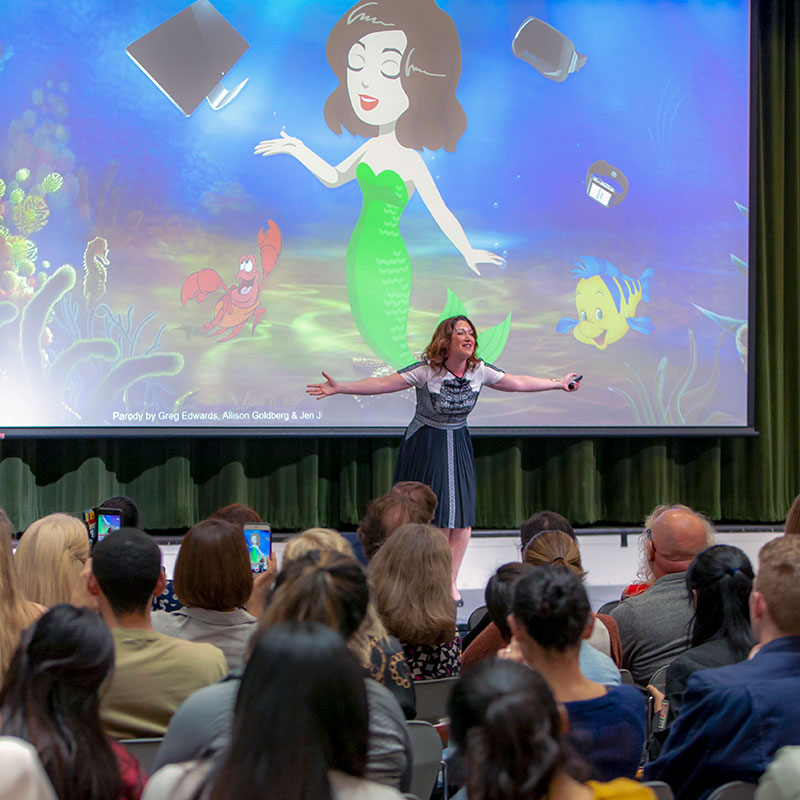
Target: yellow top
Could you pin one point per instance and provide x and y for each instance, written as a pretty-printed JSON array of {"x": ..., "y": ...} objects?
[{"x": 620, "y": 789}]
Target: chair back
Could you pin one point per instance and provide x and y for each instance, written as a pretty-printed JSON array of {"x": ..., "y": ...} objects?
[
  {"x": 659, "y": 678},
  {"x": 661, "y": 790},
  {"x": 735, "y": 790},
  {"x": 426, "y": 754},
  {"x": 476, "y": 616},
  {"x": 432, "y": 698},
  {"x": 627, "y": 677},
  {"x": 143, "y": 750}
]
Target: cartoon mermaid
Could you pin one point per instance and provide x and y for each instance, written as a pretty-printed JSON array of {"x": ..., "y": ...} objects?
[{"x": 398, "y": 63}]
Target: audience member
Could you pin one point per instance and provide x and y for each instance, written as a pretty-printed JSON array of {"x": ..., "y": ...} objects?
[
  {"x": 654, "y": 626},
  {"x": 793, "y": 518},
  {"x": 507, "y": 730},
  {"x": 380, "y": 654},
  {"x": 733, "y": 719},
  {"x": 718, "y": 582},
  {"x": 50, "y": 699},
  {"x": 421, "y": 495},
  {"x": 237, "y": 514},
  {"x": 154, "y": 673},
  {"x": 21, "y": 773},
  {"x": 325, "y": 587},
  {"x": 299, "y": 731},
  {"x": 315, "y": 539},
  {"x": 782, "y": 778},
  {"x": 543, "y": 521},
  {"x": 411, "y": 576},
  {"x": 131, "y": 516},
  {"x": 385, "y": 515},
  {"x": 551, "y": 615},
  {"x": 557, "y": 547},
  {"x": 17, "y": 612},
  {"x": 213, "y": 581},
  {"x": 50, "y": 556}
]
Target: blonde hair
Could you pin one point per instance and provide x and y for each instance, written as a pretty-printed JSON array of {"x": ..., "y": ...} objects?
[
  {"x": 316, "y": 539},
  {"x": 410, "y": 575},
  {"x": 372, "y": 629},
  {"x": 778, "y": 580},
  {"x": 554, "y": 548},
  {"x": 50, "y": 556},
  {"x": 17, "y": 612}
]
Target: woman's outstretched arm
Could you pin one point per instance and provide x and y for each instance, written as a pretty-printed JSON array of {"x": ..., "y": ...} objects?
[{"x": 383, "y": 385}]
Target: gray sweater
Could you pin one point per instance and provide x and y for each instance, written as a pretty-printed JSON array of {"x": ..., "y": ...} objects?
[{"x": 654, "y": 626}]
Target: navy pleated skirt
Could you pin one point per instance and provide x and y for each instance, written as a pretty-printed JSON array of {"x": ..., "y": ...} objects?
[{"x": 443, "y": 459}]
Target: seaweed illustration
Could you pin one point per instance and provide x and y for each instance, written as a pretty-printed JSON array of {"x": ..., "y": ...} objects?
[{"x": 683, "y": 404}]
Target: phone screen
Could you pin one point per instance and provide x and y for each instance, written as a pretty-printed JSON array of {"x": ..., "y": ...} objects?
[
  {"x": 258, "y": 538},
  {"x": 108, "y": 520}
]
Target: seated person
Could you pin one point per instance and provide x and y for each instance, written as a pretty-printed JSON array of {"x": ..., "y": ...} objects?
[
  {"x": 719, "y": 581},
  {"x": 499, "y": 602},
  {"x": 507, "y": 732},
  {"x": 153, "y": 673},
  {"x": 654, "y": 626},
  {"x": 322, "y": 586},
  {"x": 734, "y": 719},
  {"x": 300, "y": 728},
  {"x": 411, "y": 576},
  {"x": 543, "y": 521},
  {"x": 51, "y": 699},
  {"x": 213, "y": 581},
  {"x": 550, "y": 617}
]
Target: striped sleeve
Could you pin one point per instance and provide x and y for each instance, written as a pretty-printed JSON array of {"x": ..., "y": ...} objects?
[
  {"x": 415, "y": 374},
  {"x": 490, "y": 374}
]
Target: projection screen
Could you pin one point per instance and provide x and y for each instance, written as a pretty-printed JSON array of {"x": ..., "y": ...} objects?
[{"x": 202, "y": 207}]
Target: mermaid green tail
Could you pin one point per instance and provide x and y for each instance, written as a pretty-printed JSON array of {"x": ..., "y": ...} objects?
[
  {"x": 379, "y": 274},
  {"x": 379, "y": 269}
]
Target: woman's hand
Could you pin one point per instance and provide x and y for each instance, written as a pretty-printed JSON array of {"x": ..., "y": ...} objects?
[
  {"x": 658, "y": 698},
  {"x": 474, "y": 257},
  {"x": 572, "y": 378},
  {"x": 290, "y": 145},
  {"x": 320, "y": 390},
  {"x": 262, "y": 583}
]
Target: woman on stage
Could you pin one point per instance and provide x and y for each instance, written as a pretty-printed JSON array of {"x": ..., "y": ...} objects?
[{"x": 436, "y": 449}]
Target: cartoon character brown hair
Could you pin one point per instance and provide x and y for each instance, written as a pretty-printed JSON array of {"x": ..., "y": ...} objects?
[{"x": 429, "y": 73}]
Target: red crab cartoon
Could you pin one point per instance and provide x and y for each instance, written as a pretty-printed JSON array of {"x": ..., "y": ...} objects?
[{"x": 239, "y": 303}]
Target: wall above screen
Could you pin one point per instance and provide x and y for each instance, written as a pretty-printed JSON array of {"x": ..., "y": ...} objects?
[{"x": 572, "y": 176}]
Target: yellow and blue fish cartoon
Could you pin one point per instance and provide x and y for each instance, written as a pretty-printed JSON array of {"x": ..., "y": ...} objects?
[{"x": 606, "y": 301}]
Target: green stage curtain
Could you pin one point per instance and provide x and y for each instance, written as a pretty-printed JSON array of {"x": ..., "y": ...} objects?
[{"x": 300, "y": 482}]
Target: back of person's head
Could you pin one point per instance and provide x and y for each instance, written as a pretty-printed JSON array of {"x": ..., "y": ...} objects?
[
  {"x": 301, "y": 712},
  {"x": 50, "y": 698},
  {"x": 410, "y": 574},
  {"x": 793, "y": 518},
  {"x": 778, "y": 582},
  {"x": 543, "y": 521},
  {"x": 15, "y": 610},
  {"x": 419, "y": 493},
  {"x": 553, "y": 547},
  {"x": 722, "y": 577},
  {"x": 551, "y": 604},
  {"x": 50, "y": 556},
  {"x": 316, "y": 539},
  {"x": 499, "y": 594},
  {"x": 506, "y": 724},
  {"x": 127, "y": 566},
  {"x": 237, "y": 514},
  {"x": 673, "y": 535},
  {"x": 321, "y": 586},
  {"x": 384, "y": 516},
  {"x": 213, "y": 567},
  {"x": 131, "y": 516}
]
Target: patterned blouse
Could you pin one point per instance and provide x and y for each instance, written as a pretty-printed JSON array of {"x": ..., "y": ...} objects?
[{"x": 433, "y": 661}]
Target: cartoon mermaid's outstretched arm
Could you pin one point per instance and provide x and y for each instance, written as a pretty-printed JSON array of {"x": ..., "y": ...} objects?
[
  {"x": 446, "y": 220},
  {"x": 324, "y": 172}
]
